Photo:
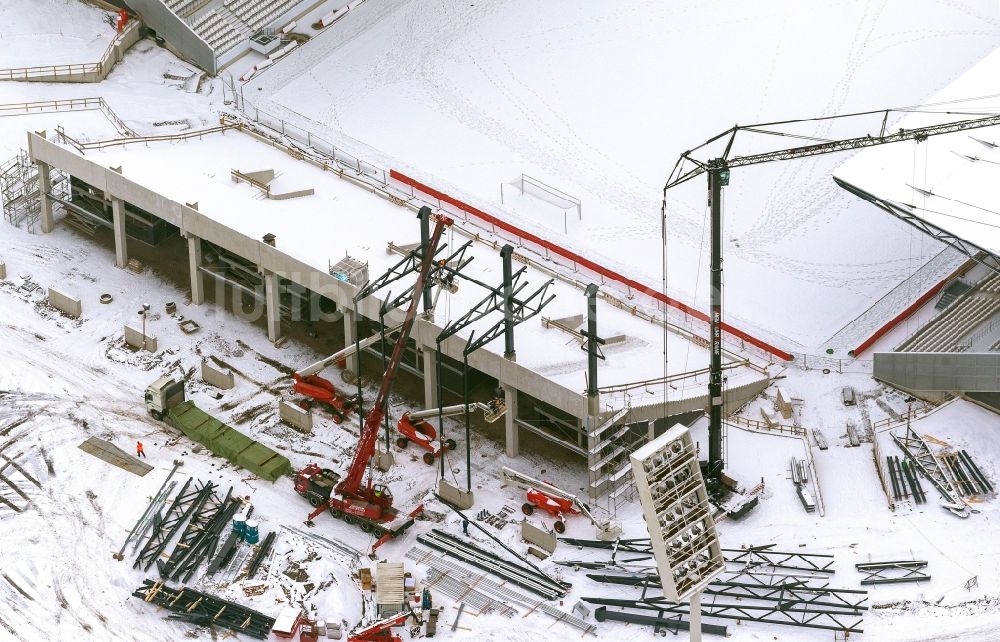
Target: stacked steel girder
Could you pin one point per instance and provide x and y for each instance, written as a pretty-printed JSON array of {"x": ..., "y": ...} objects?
[
  {"x": 188, "y": 500},
  {"x": 204, "y": 547},
  {"x": 492, "y": 594},
  {"x": 202, "y": 609},
  {"x": 195, "y": 530},
  {"x": 893, "y": 572},
  {"x": 471, "y": 554},
  {"x": 919, "y": 453}
]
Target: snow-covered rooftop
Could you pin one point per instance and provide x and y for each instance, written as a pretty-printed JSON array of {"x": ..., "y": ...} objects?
[
  {"x": 947, "y": 180},
  {"x": 342, "y": 219},
  {"x": 598, "y": 100}
]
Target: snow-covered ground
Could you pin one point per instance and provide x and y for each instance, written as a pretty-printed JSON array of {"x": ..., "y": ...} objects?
[
  {"x": 37, "y": 33},
  {"x": 72, "y": 379},
  {"x": 62, "y": 381},
  {"x": 598, "y": 100}
]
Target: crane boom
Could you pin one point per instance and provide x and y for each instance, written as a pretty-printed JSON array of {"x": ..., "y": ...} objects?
[
  {"x": 826, "y": 147},
  {"x": 718, "y": 169},
  {"x": 324, "y": 363},
  {"x": 491, "y": 411},
  {"x": 366, "y": 445}
]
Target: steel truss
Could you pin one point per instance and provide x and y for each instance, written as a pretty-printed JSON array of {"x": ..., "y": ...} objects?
[
  {"x": 786, "y": 594},
  {"x": 756, "y": 556},
  {"x": 188, "y": 605},
  {"x": 471, "y": 554},
  {"x": 919, "y": 453},
  {"x": 188, "y": 500},
  {"x": 751, "y": 558},
  {"x": 893, "y": 572},
  {"x": 814, "y": 618},
  {"x": 906, "y": 214},
  {"x": 201, "y": 518},
  {"x": 205, "y": 547},
  {"x": 676, "y": 623}
]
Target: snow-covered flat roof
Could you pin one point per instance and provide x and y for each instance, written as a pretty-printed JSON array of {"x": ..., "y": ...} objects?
[
  {"x": 948, "y": 180},
  {"x": 341, "y": 219},
  {"x": 598, "y": 100}
]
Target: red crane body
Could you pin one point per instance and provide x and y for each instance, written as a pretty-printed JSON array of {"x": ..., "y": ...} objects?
[{"x": 354, "y": 498}]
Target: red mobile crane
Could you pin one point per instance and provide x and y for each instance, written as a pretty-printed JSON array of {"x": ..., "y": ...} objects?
[
  {"x": 380, "y": 631},
  {"x": 356, "y": 499}
]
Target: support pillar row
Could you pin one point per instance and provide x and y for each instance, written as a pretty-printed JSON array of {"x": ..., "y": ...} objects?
[
  {"x": 352, "y": 361},
  {"x": 510, "y": 397},
  {"x": 273, "y": 306},
  {"x": 194, "y": 263},
  {"x": 121, "y": 241},
  {"x": 44, "y": 187},
  {"x": 430, "y": 378}
]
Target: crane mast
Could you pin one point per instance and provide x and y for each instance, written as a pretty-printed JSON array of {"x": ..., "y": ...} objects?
[
  {"x": 351, "y": 483},
  {"x": 718, "y": 169}
]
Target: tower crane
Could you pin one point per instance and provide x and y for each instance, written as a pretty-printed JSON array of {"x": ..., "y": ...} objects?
[
  {"x": 718, "y": 171},
  {"x": 354, "y": 498}
]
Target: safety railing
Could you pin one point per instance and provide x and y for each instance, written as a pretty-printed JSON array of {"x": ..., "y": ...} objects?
[
  {"x": 69, "y": 104},
  {"x": 78, "y": 70}
]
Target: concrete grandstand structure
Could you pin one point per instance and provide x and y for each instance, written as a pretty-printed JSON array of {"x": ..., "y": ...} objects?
[
  {"x": 213, "y": 33},
  {"x": 123, "y": 185}
]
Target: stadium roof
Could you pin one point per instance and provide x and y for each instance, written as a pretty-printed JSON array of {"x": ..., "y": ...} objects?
[{"x": 947, "y": 181}]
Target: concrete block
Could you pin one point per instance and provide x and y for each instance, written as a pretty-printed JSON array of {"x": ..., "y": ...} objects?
[
  {"x": 384, "y": 460},
  {"x": 783, "y": 404},
  {"x": 542, "y": 538},
  {"x": 456, "y": 496},
  {"x": 284, "y": 196},
  {"x": 69, "y": 305},
  {"x": 133, "y": 337},
  {"x": 3, "y": 271},
  {"x": 298, "y": 418},
  {"x": 219, "y": 377}
]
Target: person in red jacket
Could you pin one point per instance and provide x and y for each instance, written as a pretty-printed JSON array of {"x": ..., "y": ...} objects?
[{"x": 138, "y": 450}]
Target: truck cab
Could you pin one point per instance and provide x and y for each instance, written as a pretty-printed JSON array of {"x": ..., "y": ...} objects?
[
  {"x": 162, "y": 395},
  {"x": 316, "y": 484}
]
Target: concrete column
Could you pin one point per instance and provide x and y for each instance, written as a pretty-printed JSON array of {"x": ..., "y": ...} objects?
[
  {"x": 194, "y": 262},
  {"x": 44, "y": 187},
  {"x": 352, "y": 361},
  {"x": 510, "y": 397},
  {"x": 121, "y": 241},
  {"x": 430, "y": 378},
  {"x": 273, "y": 304},
  {"x": 650, "y": 431}
]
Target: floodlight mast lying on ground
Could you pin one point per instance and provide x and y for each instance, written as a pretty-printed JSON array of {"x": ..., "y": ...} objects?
[
  {"x": 679, "y": 518},
  {"x": 718, "y": 169}
]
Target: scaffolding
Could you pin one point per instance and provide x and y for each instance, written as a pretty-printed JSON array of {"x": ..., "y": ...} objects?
[{"x": 22, "y": 206}]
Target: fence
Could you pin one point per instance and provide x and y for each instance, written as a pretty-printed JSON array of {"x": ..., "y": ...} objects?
[
  {"x": 912, "y": 412},
  {"x": 761, "y": 426},
  {"x": 877, "y": 454},
  {"x": 71, "y": 104},
  {"x": 980, "y": 334},
  {"x": 574, "y": 260},
  {"x": 63, "y": 137},
  {"x": 305, "y": 137},
  {"x": 838, "y": 364},
  {"x": 83, "y": 72}
]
